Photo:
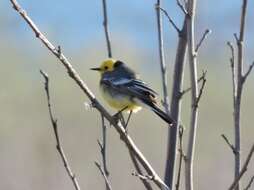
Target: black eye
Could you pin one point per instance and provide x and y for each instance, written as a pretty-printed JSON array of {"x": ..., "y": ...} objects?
[
  {"x": 106, "y": 67},
  {"x": 117, "y": 64}
]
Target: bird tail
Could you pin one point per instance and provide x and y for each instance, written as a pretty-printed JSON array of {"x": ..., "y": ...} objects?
[{"x": 162, "y": 114}]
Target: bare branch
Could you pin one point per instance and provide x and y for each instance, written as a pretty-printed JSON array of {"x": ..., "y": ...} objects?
[
  {"x": 248, "y": 72},
  {"x": 243, "y": 170},
  {"x": 175, "y": 107},
  {"x": 104, "y": 175},
  {"x": 250, "y": 183},
  {"x": 182, "y": 7},
  {"x": 229, "y": 144},
  {"x": 170, "y": 19},
  {"x": 74, "y": 75},
  {"x": 58, "y": 141},
  {"x": 105, "y": 24},
  {"x": 204, "y": 36},
  {"x": 162, "y": 58}
]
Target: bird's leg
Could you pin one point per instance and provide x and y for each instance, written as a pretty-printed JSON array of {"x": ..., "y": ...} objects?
[
  {"x": 128, "y": 119},
  {"x": 119, "y": 115},
  {"x": 121, "y": 118}
]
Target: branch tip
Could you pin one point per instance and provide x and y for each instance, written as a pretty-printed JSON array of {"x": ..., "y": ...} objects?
[
  {"x": 204, "y": 36},
  {"x": 248, "y": 72}
]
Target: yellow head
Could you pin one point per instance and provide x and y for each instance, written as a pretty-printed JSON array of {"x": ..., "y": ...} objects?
[{"x": 107, "y": 65}]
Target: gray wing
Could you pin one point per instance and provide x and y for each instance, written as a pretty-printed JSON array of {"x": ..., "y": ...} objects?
[{"x": 133, "y": 87}]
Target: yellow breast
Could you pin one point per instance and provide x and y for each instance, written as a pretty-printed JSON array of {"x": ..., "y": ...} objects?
[{"x": 120, "y": 102}]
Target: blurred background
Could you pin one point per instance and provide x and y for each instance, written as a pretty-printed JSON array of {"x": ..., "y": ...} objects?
[{"x": 28, "y": 158}]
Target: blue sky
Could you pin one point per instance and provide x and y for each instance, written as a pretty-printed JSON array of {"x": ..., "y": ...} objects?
[{"x": 80, "y": 22}]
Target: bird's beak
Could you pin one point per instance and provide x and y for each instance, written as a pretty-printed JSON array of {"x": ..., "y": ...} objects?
[{"x": 96, "y": 69}]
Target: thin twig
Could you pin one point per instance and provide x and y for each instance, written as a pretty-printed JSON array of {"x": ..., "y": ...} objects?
[
  {"x": 105, "y": 24},
  {"x": 103, "y": 145},
  {"x": 104, "y": 175},
  {"x": 249, "y": 184},
  {"x": 243, "y": 170},
  {"x": 96, "y": 104},
  {"x": 138, "y": 169},
  {"x": 181, "y": 157},
  {"x": 248, "y": 72},
  {"x": 170, "y": 19},
  {"x": 58, "y": 141},
  {"x": 201, "y": 88},
  {"x": 236, "y": 38},
  {"x": 204, "y": 36},
  {"x": 189, "y": 89},
  {"x": 182, "y": 7},
  {"x": 229, "y": 144}
]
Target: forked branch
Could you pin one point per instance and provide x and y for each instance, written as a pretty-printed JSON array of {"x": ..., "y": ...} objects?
[
  {"x": 249, "y": 184},
  {"x": 243, "y": 170},
  {"x": 169, "y": 19},
  {"x": 104, "y": 175}
]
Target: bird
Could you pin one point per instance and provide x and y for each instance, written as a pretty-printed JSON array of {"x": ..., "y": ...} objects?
[{"x": 123, "y": 90}]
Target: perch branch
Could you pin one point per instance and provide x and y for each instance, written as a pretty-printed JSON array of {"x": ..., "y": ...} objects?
[
  {"x": 58, "y": 141},
  {"x": 96, "y": 104}
]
